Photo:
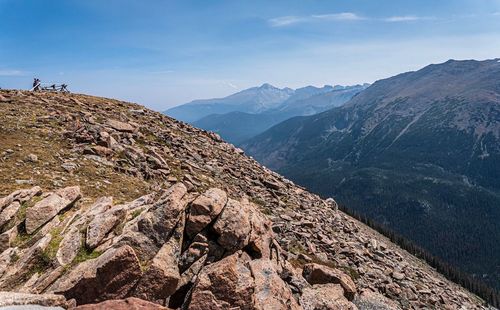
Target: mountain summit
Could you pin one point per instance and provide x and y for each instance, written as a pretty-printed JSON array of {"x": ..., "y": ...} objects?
[
  {"x": 418, "y": 152},
  {"x": 252, "y": 100},
  {"x": 107, "y": 202},
  {"x": 252, "y": 111}
]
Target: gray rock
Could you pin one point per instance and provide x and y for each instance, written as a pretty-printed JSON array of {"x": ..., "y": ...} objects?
[{"x": 69, "y": 246}]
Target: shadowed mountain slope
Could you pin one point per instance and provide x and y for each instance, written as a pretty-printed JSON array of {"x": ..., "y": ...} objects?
[{"x": 418, "y": 152}]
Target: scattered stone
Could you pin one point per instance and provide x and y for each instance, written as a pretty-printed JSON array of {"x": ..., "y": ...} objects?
[
  {"x": 32, "y": 158},
  {"x": 320, "y": 274},
  {"x": 120, "y": 126}
]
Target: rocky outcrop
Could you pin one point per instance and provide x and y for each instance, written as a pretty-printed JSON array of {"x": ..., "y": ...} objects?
[
  {"x": 216, "y": 253},
  {"x": 211, "y": 228}
]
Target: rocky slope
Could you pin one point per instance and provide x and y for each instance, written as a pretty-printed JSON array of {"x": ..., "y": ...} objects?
[
  {"x": 110, "y": 204},
  {"x": 418, "y": 152}
]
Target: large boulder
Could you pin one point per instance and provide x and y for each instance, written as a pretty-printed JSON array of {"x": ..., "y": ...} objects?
[
  {"x": 270, "y": 291},
  {"x": 161, "y": 219},
  {"x": 226, "y": 284},
  {"x": 110, "y": 276},
  {"x": 234, "y": 226},
  {"x": 161, "y": 278},
  {"x": 204, "y": 209},
  {"x": 102, "y": 224},
  {"x": 320, "y": 274},
  {"x": 44, "y": 210}
]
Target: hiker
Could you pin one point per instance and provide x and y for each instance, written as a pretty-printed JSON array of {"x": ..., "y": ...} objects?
[{"x": 36, "y": 84}]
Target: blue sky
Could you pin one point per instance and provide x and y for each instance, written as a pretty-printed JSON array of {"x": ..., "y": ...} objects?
[{"x": 163, "y": 53}]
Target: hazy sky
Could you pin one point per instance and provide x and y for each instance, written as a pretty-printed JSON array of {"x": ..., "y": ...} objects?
[{"x": 163, "y": 53}]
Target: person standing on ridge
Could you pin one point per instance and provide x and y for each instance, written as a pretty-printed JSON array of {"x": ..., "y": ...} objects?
[{"x": 36, "y": 84}]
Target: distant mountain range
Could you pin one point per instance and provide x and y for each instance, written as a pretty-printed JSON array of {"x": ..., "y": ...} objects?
[
  {"x": 247, "y": 113},
  {"x": 418, "y": 152}
]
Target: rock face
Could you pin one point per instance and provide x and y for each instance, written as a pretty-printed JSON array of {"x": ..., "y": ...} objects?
[
  {"x": 193, "y": 223},
  {"x": 109, "y": 276},
  {"x": 231, "y": 259}
]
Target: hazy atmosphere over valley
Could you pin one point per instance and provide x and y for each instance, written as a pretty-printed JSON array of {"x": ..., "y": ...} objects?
[{"x": 306, "y": 155}]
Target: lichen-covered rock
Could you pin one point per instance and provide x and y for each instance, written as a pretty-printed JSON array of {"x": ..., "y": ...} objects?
[
  {"x": 44, "y": 210},
  {"x": 8, "y": 212},
  {"x": 69, "y": 246},
  {"x": 270, "y": 291},
  {"x": 370, "y": 300},
  {"x": 160, "y": 220},
  {"x": 21, "y": 196},
  {"x": 110, "y": 276},
  {"x": 20, "y": 264},
  {"x": 101, "y": 224}
]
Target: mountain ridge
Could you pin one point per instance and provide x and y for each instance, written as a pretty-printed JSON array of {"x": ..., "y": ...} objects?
[
  {"x": 171, "y": 182},
  {"x": 422, "y": 144},
  {"x": 237, "y": 126}
]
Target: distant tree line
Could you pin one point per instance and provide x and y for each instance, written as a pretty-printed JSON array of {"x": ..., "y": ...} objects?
[{"x": 452, "y": 273}]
